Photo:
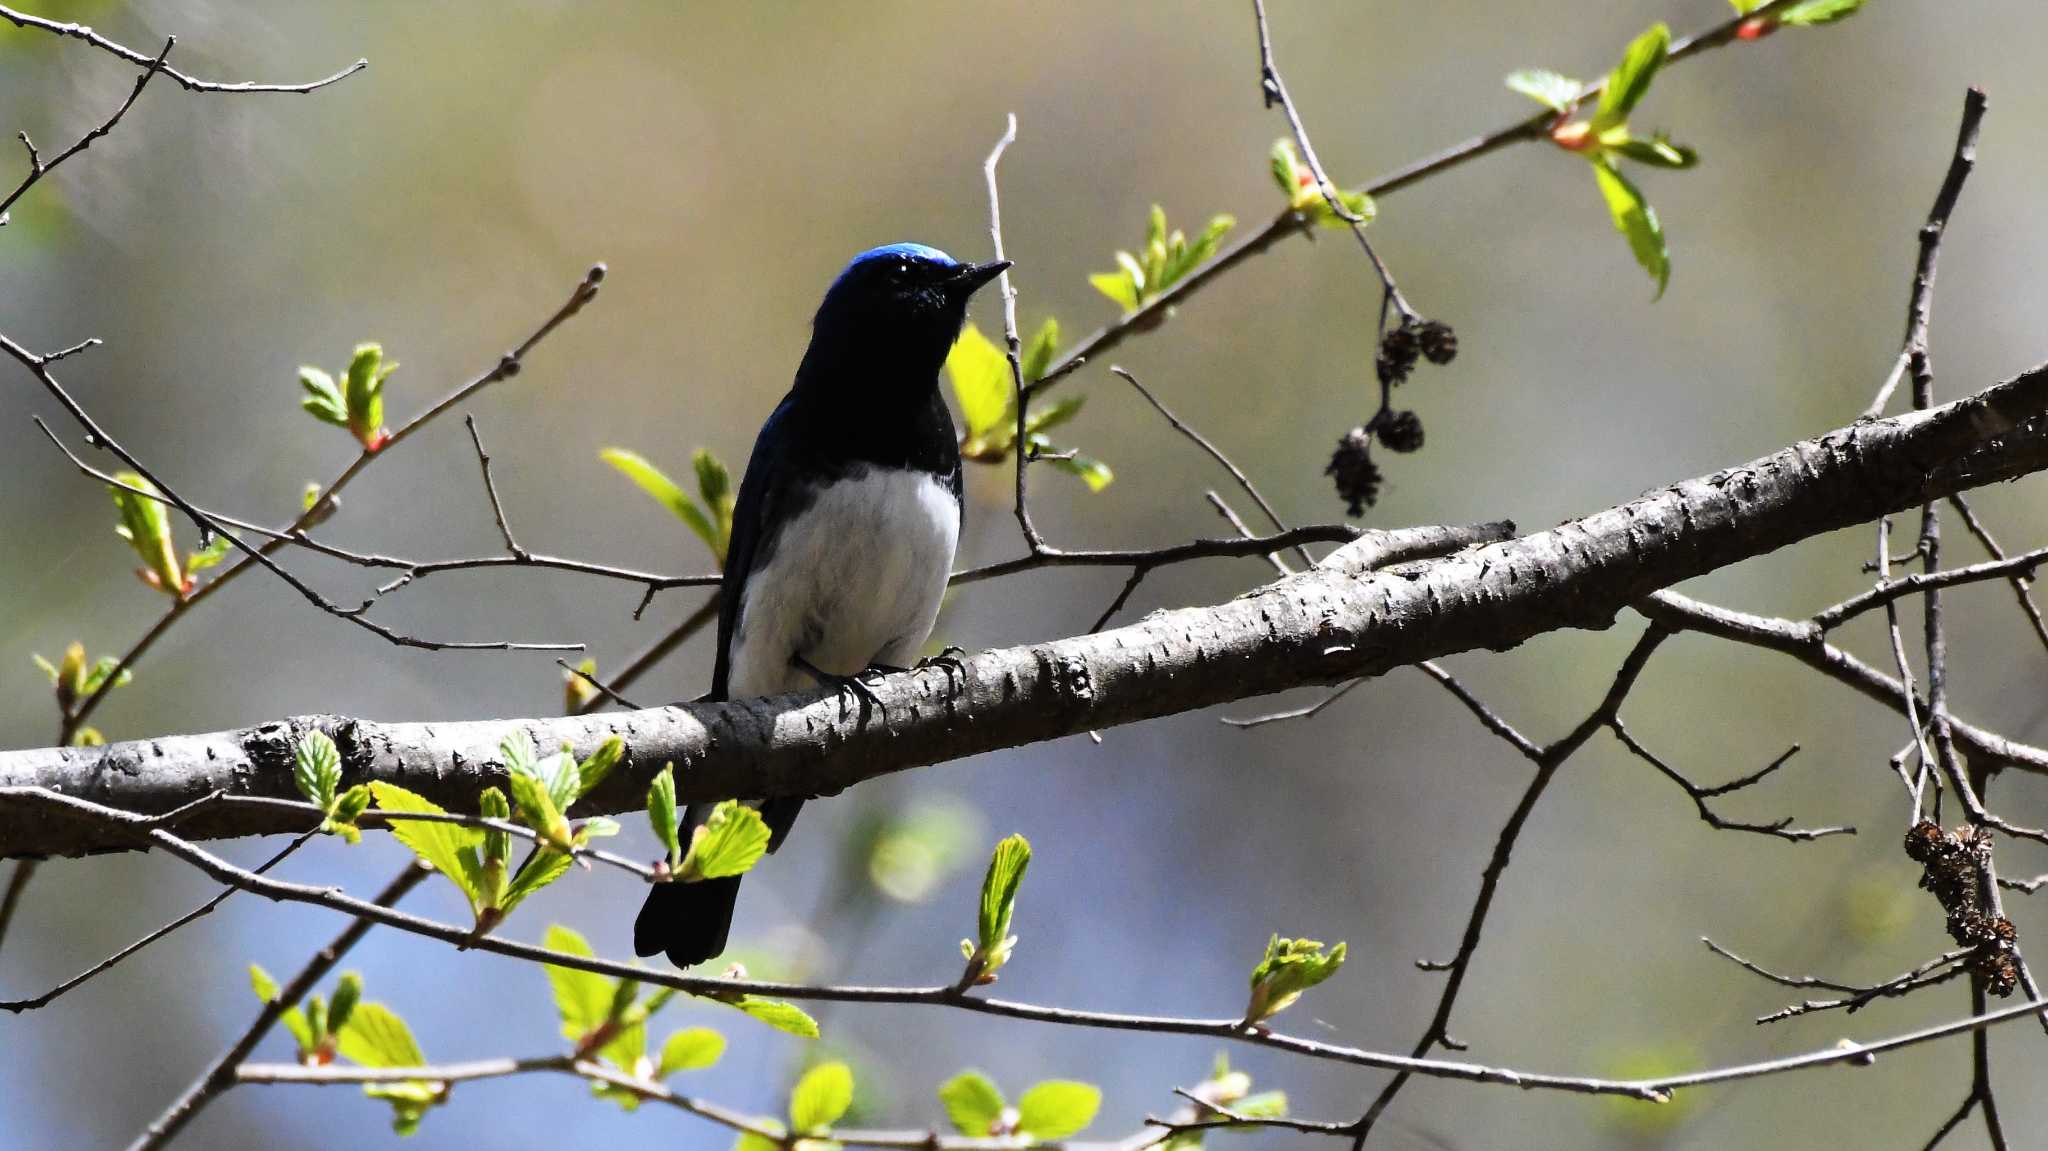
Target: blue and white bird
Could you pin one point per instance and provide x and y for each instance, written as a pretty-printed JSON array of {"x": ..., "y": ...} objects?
[{"x": 844, "y": 531}]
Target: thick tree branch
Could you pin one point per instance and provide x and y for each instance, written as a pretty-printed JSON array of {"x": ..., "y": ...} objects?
[{"x": 1324, "y": 626}]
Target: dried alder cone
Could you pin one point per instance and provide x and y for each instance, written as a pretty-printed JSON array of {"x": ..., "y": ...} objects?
[{"x": 1957, "y": 869}]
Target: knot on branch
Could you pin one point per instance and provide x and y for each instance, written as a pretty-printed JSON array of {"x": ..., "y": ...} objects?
[{"x": 1956, "y": 868}]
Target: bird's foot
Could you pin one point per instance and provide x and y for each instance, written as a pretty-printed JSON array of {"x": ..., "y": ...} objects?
[{"x": 857, "y": 684}]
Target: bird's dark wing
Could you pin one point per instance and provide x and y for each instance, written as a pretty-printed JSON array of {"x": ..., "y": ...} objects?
[
  {"x": 765, "y": 491},
  {"x": 761, "y": 490}
]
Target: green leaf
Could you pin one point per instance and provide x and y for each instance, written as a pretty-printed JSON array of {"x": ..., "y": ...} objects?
[
  {"x": 785, "y": 1017},
  {"x": 583, "y": 999},
  {"x": 749, "y": 1141},
  {"x": 265, "y": 987},
  {"x": 563, "y": 778},
  {"x": 364, "y": 392},
  {"x": 1815, "y": 12},
  {"x": 1057, "y": 1108},
  {"x": 1135, "y": 272},
  {"x": 728, "y": 843},
  {"x": 101, "y": 669},
  {"x": 821, "y": 1097},
  {"x": 665, "y": 491},
  {"x": 146, "y": 525},
  {"x": 1039, "y": 352},
  {"x": 351, "y": 804},
  {"x": 377, "y": 1037},
  {"x": 323, "y": 399},
  {"x": 1219, "y": 226},
  {"x": 301, "y": 1029},
  {"x": 450, "y": 848},
  {"x": 538, "y": 811},
  {"x": 1093, "y": 472},
  {"x": 539, "y": 870},
  {"x": 1745, "y": 7},
  {"x": 973, "y": 1103},
  {"x": 1290, "y": 967},
  {"x": 1634, "y": 219},
  {"x": 1264, "y": 1105},
  {"x": 714, "y": 484},
  {"x": 998, "y": 903},
  {"x": 1553, "y": 90},
  {"x": 497, "y": 845},
  {"x": 690, "y": 1050},
  {"x": 661, "y": 813},
  {"x": 1053, "y": 414},
  {"x": 348, "y": 808},
  {"x": 1630, "y": 80},
  {"x": 409, "y": 1101},
  {"x": 1657, "y": 151},
  {"x": 1118, "y": 287},
  {"x": 979, "y": 372},
  {"x": 316, "y": 769},
  {"x": 209, "y": 556},
  {"x": 348, "y": 992}
]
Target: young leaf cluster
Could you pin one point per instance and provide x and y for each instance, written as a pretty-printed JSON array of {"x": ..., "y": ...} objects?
[
  {"x": 1048, "y": 1111},
  {"x": 1604, "y": 139},
  {"x": 365, "y": 1033},
  {"x": 1298, "y": 181},
  {"x": 1290, "y": 967},
  {"x": 146, "y": 525},
  {"x": 987, "y": 954},
  {"x": 356, "y": 402},
  {"x": 73, "y": 681},
  {"x": 711, "y": 519},
  {"x": 979, "y": 372},
  {"x": 606, "y": 1021},
  {"x": 477, "y": 860},
  {"x": 1165, "y": 259}
]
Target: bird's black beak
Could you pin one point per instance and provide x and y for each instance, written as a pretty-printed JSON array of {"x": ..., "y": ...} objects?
[{"x": 970, "y": 279}]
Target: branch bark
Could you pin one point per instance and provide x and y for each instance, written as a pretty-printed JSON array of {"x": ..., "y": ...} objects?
[{"x": 1332, "y": 624}]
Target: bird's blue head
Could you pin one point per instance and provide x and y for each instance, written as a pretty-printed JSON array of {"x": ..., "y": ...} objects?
[{"x": 901, "y": 304}]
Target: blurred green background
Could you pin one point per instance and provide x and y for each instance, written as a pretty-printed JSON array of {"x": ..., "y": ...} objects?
[{"x": 725, "y": 161}]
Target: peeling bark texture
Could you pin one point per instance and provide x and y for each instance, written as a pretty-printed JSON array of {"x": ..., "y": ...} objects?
[{"x": 1323, "y": 626}]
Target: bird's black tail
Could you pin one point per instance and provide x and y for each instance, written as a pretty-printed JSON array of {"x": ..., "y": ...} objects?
[{"x": 689, "y": 921}]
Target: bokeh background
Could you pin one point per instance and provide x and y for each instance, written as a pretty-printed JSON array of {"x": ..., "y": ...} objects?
[{"x": 725, "y": 160}]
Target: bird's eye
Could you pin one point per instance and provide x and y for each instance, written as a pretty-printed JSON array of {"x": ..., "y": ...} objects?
[{"x": 903, "y": 271}]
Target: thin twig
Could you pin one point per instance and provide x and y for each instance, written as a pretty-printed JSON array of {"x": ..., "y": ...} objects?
[
  {"x": 601, "y": 686},
  {"x": 1938, "y": 970},
  {"x": 1547, "y": 761},
  {"x": 97, "y": 969},
  {"x": 1274, "y": 90},
  {"x": 189, "y": 83},
  {"x": 2022, "y": 585},
  {"x": 1782, "y": 829},
  {"x": 37, "y": 169},
  {"x": 1215, "y": 453},
  {"x": 483, "y": 461},
  {"x": 17, "y": 884}
]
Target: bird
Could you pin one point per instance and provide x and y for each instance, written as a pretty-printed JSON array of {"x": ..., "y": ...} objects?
[{"x": 844, "y": 529}]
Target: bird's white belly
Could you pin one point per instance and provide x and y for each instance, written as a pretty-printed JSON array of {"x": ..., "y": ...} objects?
[{"x": 853, "y": 579}]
